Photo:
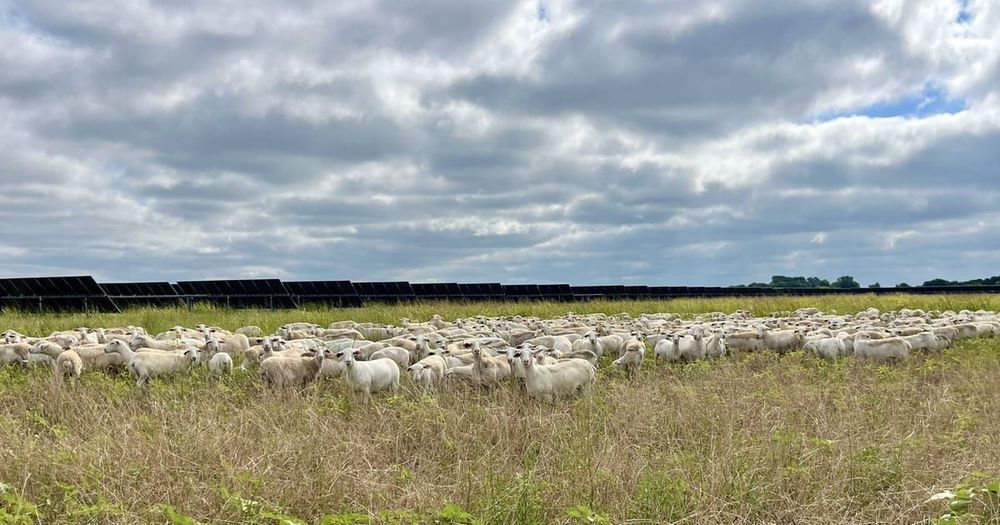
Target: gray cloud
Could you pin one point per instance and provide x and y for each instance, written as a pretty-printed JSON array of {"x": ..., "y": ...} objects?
[{"x": 638, "y": 142}]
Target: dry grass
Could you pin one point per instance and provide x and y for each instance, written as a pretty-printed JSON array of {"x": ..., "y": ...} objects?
[{"x": 746, "y": 439}]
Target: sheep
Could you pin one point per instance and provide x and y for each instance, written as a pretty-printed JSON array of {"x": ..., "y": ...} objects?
[
  {"x": 400, "y": 356},
  {"x": 589, "y": 342},
  {"x": 429, "y": 371},
  {"x": 563, "y": 379},
  {"x": 631, "y": 358},
  {"x": 69, "y": 364},
  {"x": 34, "y": 360},
  {"x": 715, "y": 345},
  {"x": 488, "y": 370},
  {"x": 95, "y": 357},
  {"x": 369, "y": 377},
  {"x": 14, "y": 353},
  {"x": 47, "y": 348},
  {"x": 556, "y": 342},
  {"x": 924, "y": 340},
  {"x": 781, "y": 340},
  {"x": 829, "y": 348},
  {"x": 279, "y": 372},
  {"x": 880, "y": 349},
  {"x": 745, "y": 341},
  {"x": 668, "y": 349},
  {"x": 144, "y": 341},
  {"x": 220, "y": 364},
  {"x": 146, "y": 365},
  {"x": 586, "y": 355},
  {"x": 232, "y": 344},
  {"x": 249, "y": 331},
  {"x": 692, "y": 347}
]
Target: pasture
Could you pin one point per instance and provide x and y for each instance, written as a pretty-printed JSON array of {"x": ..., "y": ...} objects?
[{"x": 747, "y": 438}]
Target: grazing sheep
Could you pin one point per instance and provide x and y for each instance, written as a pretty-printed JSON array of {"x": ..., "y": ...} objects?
[
  {"x": 69, "y": 364},
  {"x": 249, "y": 331},
  {"x": 147, "y": 365},
  {"x": 278, "y": 372},
  {"x": 369, "y": 377},
  {"x": 668, "y": 349},
  {"x": 745, "y": 341},
  {"x": 220, "y": 364},
  {"x": 924, "y": 341},
  {"x": 829, "y": 348},
  {"x": 563, "y": 379},
  {"x": 14, "y": 353},
  {"x": 692, "y": 347},
  {"x": 488, "y": 370},
  {"x": 398, "y": 355},
  {"x": 589, "y": 342},
  {"x": 715, "y": 345},
  {"x": 428, "y": 372},
  {"x": 880, "y": 349},
  {"x": 781, "y": 341},
  {"x": 631, "y": 358}
]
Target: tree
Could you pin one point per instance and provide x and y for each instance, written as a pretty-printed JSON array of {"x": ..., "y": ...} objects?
[
  {"x": 845, "y": 281},
  {"x": 875, "y": 284},
  {"x": 939, "y": 282},
  {"x": 903, "y": 285}
]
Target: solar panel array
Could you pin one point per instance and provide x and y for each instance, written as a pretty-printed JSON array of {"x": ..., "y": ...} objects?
[
  {"x": 83, "y": 293},
  {"x": 76, "y": 293}
]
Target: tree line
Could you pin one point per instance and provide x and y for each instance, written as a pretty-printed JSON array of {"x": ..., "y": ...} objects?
[{"x": 847, "y": 281}]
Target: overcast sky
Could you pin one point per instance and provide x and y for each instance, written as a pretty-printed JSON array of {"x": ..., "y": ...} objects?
[{"x": 646, "y": 142}]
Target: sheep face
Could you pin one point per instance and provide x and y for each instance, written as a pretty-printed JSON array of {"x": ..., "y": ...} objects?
[{"x": 116, "y": 346}]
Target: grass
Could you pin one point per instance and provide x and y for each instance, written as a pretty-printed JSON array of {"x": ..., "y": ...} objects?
[{"x": 745, "y": 439}]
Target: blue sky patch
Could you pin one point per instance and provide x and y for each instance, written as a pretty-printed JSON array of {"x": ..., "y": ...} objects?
[{"x": 931, "y": 100}]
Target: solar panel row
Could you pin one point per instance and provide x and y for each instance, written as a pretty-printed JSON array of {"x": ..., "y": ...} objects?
[{"x": 77, "y": 293}]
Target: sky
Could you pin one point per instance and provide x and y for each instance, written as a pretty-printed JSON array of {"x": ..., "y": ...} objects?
[{"x": 587, "y": 142}]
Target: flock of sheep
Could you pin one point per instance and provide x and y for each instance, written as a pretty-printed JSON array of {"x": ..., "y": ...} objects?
[{"x": 551, "y": 358}]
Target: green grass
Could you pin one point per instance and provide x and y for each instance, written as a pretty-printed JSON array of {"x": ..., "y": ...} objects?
[
  {"x": 745, "y": 439},
  {"x": 160, "y": 319}
]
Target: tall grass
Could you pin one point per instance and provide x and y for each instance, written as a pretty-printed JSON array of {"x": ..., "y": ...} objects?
[
  {"x": 160, "y": 319},
  {"x": 744, "y": 439}
]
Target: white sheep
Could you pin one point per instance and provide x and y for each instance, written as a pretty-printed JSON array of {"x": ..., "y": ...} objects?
[
  {"x": 69, "y": 364},
  {"x": 715, "y": 345},
  {"x": 220, "y": 364},
  {"x": 563, "y": 379},
  {"x": 879, "y": 349},
  {"x": 781, "y": 341},
  {"x": 829, "y": 348},
  {"x": 369, "y": 377},
  {"x": 398, "y": 355},
  {"x": 14, "y": 353},
  {"x": 692, "y": 347},
  {"x": 589, "y": 342},
  {"x": 488, "y": 370},
  {"x": 631, "y": 359},
  {"x": 147, "y": 365},
  {"x": 280, "y": 371},
  {"x": 668, "y": 349}
]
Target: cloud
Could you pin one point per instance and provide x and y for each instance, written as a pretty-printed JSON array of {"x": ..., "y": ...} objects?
[{"x": 555, "y": 141}]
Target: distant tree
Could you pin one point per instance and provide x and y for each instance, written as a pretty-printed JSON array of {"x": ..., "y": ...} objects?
[
  {"x": 875, "y": 284},
  {"x": 903, "y": 285},
  {"x": 845, "y": 281},
  {"x": 816, "y": 282},
  {"x": 939, "y": 282}
]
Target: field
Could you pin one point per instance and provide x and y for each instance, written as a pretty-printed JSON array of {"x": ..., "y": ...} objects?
[{"x": 746, "y": 439}]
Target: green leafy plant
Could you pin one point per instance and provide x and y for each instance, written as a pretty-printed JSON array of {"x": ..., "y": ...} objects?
[{"x": 969, "y": 504}]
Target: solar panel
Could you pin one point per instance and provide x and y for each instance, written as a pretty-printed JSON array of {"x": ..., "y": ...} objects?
[
  {"x": 336, "y": 293},
  {"x": 74, "y": 293},
  {"x": 240, "y": 293},
  {"x": 142, "y": 294}
]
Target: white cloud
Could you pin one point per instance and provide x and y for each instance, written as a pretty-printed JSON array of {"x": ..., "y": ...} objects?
[{"x": 660, "y": 142}]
